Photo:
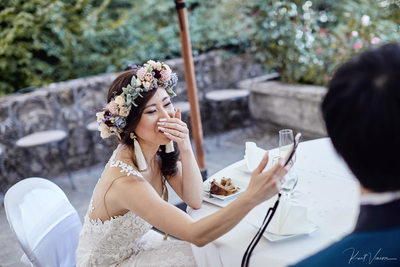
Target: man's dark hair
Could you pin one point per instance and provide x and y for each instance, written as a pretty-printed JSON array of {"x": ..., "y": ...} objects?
[{"x": 362, "y": 116}]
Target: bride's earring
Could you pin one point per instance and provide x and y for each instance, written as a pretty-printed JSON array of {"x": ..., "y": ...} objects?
[
  {"x": 140, "y": 160},
  {"x": 169, "y": 147}
]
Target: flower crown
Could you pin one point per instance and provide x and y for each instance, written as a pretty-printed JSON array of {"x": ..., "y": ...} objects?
[{"x": 112, "y": 119}]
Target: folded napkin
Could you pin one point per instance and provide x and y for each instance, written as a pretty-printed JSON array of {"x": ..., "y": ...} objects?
[
  {"x": 253, "y": 155},
  {"x": 290, "y": 219}
]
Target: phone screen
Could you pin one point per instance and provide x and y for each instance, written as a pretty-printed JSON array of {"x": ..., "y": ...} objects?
[
  {"x": 292, "y": 150},
  {"x": 290, "y": 154}
]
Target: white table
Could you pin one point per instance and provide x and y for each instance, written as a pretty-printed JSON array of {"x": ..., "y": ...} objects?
[{"x": 326, "y": 186}]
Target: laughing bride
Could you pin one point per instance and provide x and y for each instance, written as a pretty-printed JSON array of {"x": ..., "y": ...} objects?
[{"x": 131, "y": 194}]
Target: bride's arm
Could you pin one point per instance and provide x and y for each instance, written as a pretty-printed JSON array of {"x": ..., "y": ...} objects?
[
  {"x": 187, "y": 183},
  {"x": 141, "y": 198}
]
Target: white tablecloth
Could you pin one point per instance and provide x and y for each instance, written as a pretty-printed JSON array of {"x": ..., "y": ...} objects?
[{"x": 325, "y": 185}]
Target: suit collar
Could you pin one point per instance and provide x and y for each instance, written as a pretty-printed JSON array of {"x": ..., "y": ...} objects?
[{"x": 378, "y": 217}]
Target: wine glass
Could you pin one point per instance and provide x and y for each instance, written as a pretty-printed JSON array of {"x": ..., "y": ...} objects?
[{"x": 286, "y": 141}]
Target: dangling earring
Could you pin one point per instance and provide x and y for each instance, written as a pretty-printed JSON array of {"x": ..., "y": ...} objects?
[
  {"x": 140, "y": 160},
  {"x": 169, "y": 147}
]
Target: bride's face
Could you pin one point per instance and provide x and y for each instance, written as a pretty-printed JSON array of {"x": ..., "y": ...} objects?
[{"x": 158, "y": 107}]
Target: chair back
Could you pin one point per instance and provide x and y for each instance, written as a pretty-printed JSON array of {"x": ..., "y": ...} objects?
[{"x": 46, "y": 224}]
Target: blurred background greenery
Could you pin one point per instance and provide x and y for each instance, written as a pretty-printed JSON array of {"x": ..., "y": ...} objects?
[{"x": 44, "y": 41}]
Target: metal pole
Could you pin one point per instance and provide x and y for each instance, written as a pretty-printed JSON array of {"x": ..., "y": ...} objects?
[{"x": 191, "y": 84}]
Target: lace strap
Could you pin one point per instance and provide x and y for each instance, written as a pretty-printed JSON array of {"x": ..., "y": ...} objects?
[{"x": 128, "y": 169}]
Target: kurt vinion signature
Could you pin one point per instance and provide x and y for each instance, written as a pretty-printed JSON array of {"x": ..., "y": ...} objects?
[{"x": 368, "y": 257}]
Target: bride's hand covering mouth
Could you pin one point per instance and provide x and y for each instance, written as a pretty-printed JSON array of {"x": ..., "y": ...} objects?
[{"x": 176, "y": 130}]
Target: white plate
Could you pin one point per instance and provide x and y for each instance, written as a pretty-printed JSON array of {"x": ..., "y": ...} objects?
[
  {"x": 222, "y": 201},
  {"x": 273, "y": 237}
]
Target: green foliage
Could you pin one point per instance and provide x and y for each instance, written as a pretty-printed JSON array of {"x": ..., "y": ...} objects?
[
  {"x": 42, "y": 41},
  {"x": 305, "y": 41}
]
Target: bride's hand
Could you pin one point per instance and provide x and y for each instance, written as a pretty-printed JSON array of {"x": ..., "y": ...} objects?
[
  {"x": 176, "y": 130},
  {"x": 264, "y": 185}
]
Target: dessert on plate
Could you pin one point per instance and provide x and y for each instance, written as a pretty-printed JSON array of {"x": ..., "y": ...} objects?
[{"x": 225, "y": 187}]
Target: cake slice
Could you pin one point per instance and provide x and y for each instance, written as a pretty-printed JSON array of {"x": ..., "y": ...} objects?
[{"x": 224, "y": 188}]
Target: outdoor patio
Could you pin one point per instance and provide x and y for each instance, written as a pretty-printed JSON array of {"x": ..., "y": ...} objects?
[
  {"x": 246, "y": 69},
  {"x": 220, "y": 150}
]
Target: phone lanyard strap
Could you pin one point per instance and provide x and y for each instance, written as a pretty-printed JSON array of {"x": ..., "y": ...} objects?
[{"x": 261, "y": 230}]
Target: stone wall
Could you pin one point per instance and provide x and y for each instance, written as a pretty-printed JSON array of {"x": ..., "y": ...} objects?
[
  {"x": 294, "y": 106},
  {"x": 72, "y": 104}
]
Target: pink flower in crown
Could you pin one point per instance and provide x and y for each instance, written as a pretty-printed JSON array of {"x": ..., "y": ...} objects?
[
  {"x": 148, "y": 77},
  {"x": 113, "y": 108},
  {"x": 165, "y": 76},
  {"x": 141, "y": 73}
]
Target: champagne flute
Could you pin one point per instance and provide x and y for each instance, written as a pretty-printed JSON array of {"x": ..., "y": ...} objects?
[{"x": 286, "y": 141}]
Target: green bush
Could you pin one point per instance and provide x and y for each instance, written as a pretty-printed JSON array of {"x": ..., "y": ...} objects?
[
  {"x": 305, "y": 41},
  {"x": 42, "y": 41}
]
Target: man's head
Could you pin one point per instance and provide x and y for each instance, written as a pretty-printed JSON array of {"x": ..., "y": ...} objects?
[{"x": 362, "y": 116}]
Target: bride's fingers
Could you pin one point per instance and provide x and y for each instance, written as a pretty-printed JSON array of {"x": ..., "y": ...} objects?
[
  {"x": 263, "y": 163},
  {"x": 178, "y": 114},
  {"x": 173, "y": 126},
  {"x": 172, "y": 120},
  {"x": 173, "y": 132},
  {"x": 173, "y": 137}
]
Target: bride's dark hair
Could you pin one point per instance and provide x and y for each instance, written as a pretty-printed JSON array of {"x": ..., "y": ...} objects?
[{"x": 168, "y": 160}]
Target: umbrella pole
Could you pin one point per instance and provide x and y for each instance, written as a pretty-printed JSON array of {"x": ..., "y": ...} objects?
[{"x": 191, "y": 85}]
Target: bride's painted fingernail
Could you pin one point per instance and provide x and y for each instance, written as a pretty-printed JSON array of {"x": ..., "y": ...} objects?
[
  {"x": 161, "y": 128},
  {"x": 161, "y": 123},
  {"x": 163, "y": 119}
]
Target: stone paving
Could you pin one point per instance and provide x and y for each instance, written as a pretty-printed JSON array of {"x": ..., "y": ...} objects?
[{"x": 221, "y": 150}]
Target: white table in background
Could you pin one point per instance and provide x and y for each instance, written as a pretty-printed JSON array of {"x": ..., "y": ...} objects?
[{"x": 326, "y": 186}]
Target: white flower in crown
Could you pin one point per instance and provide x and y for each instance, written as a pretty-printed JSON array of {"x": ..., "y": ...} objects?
[
  {"x": 100, "y": 116},
  {"x": 120, "y": 101},
  {"x": 158, "y": 66},
  {"x": 104, "y": 130},
  {"x": 152, "y": 63}
]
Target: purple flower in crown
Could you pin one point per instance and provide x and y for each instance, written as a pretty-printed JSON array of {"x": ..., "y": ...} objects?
[{"x": 120, "y": 122}]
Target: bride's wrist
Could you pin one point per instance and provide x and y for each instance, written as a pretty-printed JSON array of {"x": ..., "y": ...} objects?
[{"x": 248, "y": 199}]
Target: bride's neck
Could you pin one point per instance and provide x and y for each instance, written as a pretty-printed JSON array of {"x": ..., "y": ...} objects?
[{"x": 149, "y": 152}]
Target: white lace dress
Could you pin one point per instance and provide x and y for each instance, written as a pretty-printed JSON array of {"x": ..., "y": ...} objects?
[{"x": 128, "y": 240}]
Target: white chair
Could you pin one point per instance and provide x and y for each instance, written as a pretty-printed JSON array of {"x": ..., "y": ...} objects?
[{"x": 46, "y": 224}]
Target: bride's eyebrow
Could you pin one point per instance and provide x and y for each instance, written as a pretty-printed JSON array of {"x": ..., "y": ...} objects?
[{"x": 167, "y": 97}]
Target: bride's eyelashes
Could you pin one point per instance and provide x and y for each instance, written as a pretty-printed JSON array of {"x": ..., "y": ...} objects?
[{"x": 154, "y": 110}]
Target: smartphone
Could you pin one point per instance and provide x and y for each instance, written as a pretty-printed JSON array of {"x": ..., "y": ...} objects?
[{"x": 292, "y": 150}]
